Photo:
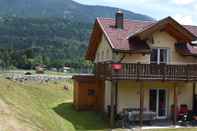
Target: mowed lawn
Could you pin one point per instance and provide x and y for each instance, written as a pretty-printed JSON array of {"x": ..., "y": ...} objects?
[
  {"x": 177, "y": 129},
  {"x": 46, "y": 107}
]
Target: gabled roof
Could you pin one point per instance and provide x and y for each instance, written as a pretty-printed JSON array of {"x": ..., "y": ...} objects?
[
  {"x": 169, "y": 25},
  {"x": 119, "y": 38}
]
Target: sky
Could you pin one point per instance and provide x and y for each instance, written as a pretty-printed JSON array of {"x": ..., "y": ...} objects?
[{"x": 184, "y": 11}]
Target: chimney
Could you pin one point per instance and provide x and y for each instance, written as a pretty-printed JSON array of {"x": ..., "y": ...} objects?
[{"x": 119, "y": 20}]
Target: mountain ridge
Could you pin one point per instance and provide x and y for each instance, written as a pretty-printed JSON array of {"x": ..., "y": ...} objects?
[
  {"x": 68, "y": 9},
  {"x": 50, "y": 32}
]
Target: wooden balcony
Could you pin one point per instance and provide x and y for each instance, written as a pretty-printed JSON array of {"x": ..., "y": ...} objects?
[{"x": 137, "y": 71}]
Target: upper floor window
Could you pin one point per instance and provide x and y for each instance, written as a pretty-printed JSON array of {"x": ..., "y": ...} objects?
[{"x": 159, "y": 55}]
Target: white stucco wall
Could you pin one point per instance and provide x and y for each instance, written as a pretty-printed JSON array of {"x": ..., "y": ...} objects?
[
  {"x": 104, "y": 51},
  {"x": 164, "y": 40},
  {"x": 129, "y": 96},
  {"x": 107, "y": 94}
]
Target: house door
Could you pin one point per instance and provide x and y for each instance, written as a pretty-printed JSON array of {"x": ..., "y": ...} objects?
[{"x": 157, "y": 102}]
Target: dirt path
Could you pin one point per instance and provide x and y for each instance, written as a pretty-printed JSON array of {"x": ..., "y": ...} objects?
[{"x": 8, "y": 120}]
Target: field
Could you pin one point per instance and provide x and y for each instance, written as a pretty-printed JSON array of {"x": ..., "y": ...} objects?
[{"x": 34, "y": 106}]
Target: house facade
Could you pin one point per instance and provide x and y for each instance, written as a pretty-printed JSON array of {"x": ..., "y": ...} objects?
[{"x": 150, "y": 65}]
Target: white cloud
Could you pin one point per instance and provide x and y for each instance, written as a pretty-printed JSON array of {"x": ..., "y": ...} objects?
[
  {"x": 184, "y": 19},
  {"x": 186, "y": 9},
  {"x": 183, "y": 2},
  {"x": 195, "y": 7}
]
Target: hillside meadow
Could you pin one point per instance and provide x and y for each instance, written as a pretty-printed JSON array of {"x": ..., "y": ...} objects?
[{"x": 35, "y": 106}]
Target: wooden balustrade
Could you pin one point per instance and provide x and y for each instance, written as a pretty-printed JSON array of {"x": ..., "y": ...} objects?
[{"x": 137, "y": 71}]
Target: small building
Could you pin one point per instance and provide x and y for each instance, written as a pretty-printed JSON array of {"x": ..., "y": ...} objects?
[
  {"x": 88, "y": 93},
  {"x": 66, "y": 69},
  {"x": 40, "y": 68}
]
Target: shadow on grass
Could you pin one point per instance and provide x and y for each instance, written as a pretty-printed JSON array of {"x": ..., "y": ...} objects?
[{"x": 81, "y": 120}]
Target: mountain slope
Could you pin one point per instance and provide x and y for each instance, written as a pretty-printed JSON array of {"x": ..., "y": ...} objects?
[
  {"x": 35, "y": 106},
  {"x": 60, "y": 8},
  {"x": 50, "y": 32}
]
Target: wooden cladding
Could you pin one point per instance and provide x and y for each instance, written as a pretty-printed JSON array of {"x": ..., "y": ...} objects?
[
  {"x": 137, "y": 71},
  {"x": 88, "y": 93}
]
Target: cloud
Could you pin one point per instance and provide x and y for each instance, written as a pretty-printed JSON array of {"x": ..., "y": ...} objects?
[
  {"x": 184, "y": 19},
  {"x": 183, "y": 10},
  {"x": 183, "y": 2},
  {"x": 195, "y": 6}
]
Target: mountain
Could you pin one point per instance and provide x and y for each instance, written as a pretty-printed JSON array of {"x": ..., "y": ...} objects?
[
  {"x": 60, "y": 8},
  {"x": 50, "y": 32}
]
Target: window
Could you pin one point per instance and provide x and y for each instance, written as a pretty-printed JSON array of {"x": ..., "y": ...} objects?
[
  {"x": 91, "y": 92},
  {"x": 159, "y": 55}
]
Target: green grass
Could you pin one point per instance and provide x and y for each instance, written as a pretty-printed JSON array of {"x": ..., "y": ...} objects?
[
  {"x": 47, "y": 107},
  {"x": 177, "y": 129}
]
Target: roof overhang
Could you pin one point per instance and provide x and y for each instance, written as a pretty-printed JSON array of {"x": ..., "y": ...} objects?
[
  {"x": 169, "y": 25},
  {"x": 186, "y": 49},
  {"x": 95, "y": 39}
]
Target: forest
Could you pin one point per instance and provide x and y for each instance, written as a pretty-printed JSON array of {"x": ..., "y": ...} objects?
[{"x": 25, "y": 42}]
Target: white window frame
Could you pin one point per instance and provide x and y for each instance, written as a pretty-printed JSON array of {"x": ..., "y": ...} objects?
[
  {"x": 157, "y": 102},
  {"x": 158, "y": 55}
]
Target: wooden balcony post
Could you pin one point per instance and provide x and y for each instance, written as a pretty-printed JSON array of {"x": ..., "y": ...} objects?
[
  {"x": 187, "y": 72},
  {"x": 116, "y": 96},
  {"x": 141, "y": 103},
  {"x": 194, "y": 97},
  {"x": 175, "y": 104},
  {"x": 138, "y": 71},
  {"x": 112, "y": 105},
  {"x": 164, "y": 71}
]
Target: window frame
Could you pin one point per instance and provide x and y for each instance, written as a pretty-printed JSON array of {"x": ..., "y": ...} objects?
[{"x": 158, "y": 55}]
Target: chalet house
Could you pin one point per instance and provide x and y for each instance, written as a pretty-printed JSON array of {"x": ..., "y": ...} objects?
[{"x": 145, "y": 65}]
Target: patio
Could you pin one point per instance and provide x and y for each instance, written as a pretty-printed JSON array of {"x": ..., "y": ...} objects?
[
  {"x": 130, "y": 119},
  {"x": 161, "y": 124},
  {"x": 140, "y": 76}
]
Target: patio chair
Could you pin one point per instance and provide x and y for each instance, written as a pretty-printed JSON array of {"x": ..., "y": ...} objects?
[
  {"x": 123, "y": 120},
  {"x": 183, "y": 112}
]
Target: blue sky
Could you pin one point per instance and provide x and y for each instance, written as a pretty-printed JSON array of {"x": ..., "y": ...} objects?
[{"x": 184, "y": 11}]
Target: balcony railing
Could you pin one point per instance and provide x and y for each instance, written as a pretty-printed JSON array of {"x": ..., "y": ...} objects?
[{"x": 137, "y": 71}]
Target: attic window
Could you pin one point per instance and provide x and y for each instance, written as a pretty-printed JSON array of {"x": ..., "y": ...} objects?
[{"x": 159, "y": 55}]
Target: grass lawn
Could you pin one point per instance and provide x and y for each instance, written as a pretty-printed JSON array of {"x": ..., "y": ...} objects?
[
  {"x": 184, "y": 129},
  {"x": 177, "y": 129},
  {"x": 45, "y": 107}
]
